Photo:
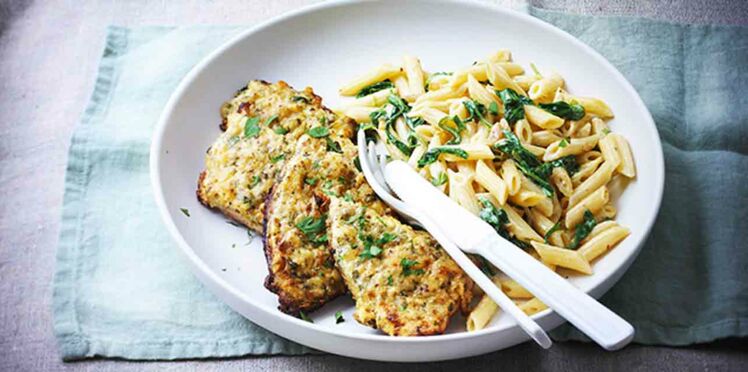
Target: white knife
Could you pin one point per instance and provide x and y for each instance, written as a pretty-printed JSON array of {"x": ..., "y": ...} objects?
[{"x": 473, "y": 235}]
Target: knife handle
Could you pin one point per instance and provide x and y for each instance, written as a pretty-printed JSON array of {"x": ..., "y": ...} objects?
[{"x": 589, "y": 316}]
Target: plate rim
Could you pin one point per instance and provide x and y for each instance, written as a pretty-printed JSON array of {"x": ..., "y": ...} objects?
[{"x": 204, "y": 272}]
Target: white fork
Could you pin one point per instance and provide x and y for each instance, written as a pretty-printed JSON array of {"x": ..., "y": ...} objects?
[{"x": 372, "y": 166}]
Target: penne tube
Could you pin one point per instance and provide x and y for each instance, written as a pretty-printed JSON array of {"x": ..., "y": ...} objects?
[
  {"x": 544, "y": 90},
  {"x": 626, "y": 167},
  {"x": 603, "y": 241},
  {"x": 414, "y": 73},
  {"x": 532, "y": 306},
  {"x": 381, "y": 73},
  {"x": 461, "y": 191},
  {"x": 511, "y": 176},
  {"x": 501, "y": 80},
  {"x": 489, "y": 180},
  {"x": 544, "y": 137},
  {"x": 593, "y": 202},
  {"x": 563, "y": 257},
  {"x": 479, "y": 93},
  {"x": 575, "y": 146},
  {"x": 541, "y": 118},
  {"x": 601, "y": 176}
]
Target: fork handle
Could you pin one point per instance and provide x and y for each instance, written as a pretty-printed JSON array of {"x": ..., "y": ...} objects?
[
  {"x": 505, "y": 303},
  {"x": 591, "y": 317}
]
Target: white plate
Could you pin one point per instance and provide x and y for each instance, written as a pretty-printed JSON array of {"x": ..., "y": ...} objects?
[{"x": 324, "y": 45}]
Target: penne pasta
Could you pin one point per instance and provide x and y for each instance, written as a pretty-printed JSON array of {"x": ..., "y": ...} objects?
[{"x": 379, "y": 74}]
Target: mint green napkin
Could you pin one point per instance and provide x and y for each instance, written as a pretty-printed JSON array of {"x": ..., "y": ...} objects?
[{"x": 121, "y": 290}]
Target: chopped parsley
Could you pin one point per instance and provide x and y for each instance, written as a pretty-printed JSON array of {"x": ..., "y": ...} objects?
[
  {"x": 389, "y": 280},
  {"x": 233, "y": 223},
  {"x": 304, "y": 317},
  {"x": 373, "y": 88},
  {"x": 277, "y": 158},
  {"x": 300, "y": 99},
  {"x": 339, "y": 317},
  {"x": 583, "y": 229},
  {"x": 606, "y": 131},
  {"x": 252, "y": 127},
  {"x": 318, "y": 132},
  {"x": 313, "y": 228},
  {"x": 185, "y": 211},
  {"x": 408, "y": 265},
  {"x": 280, "y": 130},
  {"x": 333, "y": 146},
  {"x": 432, "y": 155},
  {"x": 372, "y": 248},
  {"x": 255, "y": 181},
  {"x": 563, "y": 143},
  {"x": 311, "y": 181},
  {"x": 440, "y": 179}
]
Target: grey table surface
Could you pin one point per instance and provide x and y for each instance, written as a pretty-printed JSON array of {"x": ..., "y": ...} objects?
[{"x": 49, "y": 51}]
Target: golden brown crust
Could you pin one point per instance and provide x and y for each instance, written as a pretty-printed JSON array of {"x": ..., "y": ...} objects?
[
  {"x": 410, "y": 286},
  {"x": 300, "y": 264},
  {"x": 241, "y": 169}
]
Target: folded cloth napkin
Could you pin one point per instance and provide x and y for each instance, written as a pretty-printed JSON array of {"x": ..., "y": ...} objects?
[{"x": 121, "y": 290}]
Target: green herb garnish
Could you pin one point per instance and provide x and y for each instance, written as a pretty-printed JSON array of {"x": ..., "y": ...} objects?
[
  {"x": 525, "y": 160},
  {"x": 252, "y": 127},
  {"x": 440, "y": 179},
  {"x": 280, "y": 130},
  {"x": 304, "y": 317},
  {"x": 373, "y": 88},
  {"x": 493, "y": 108},
  {"x": 563, "y": 143},
  {"x": 553, "y": 229},
  {"x": 255, "y": 181},
  {"x": 300, "y": 99},
  {"x": 311, "y": 181},
  {"x": 270, "y": 120},
  {"x": 514, "y": 105},
  {"x": 339, "y": 317},
  {"x": 583, "y": 229},
  {"x": 233, "y": 223},
  {"x": 408, "y": 267},
  {"x": 185, "y": 211},
  {"x": 564, "y": 110},
  {"x": 454, "y": 131},
  {"x": 476, "y": 111},
  {"x": 277, "y": 158},
  {"x": 498, "y": 219},
  {"x": 333, "y": 146},
  {"x": 372, "y": 248},
  {"x": 432, "y": 154},
  {"x": 318, "y": 132},
  {"x": 313, "y": 228}
]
